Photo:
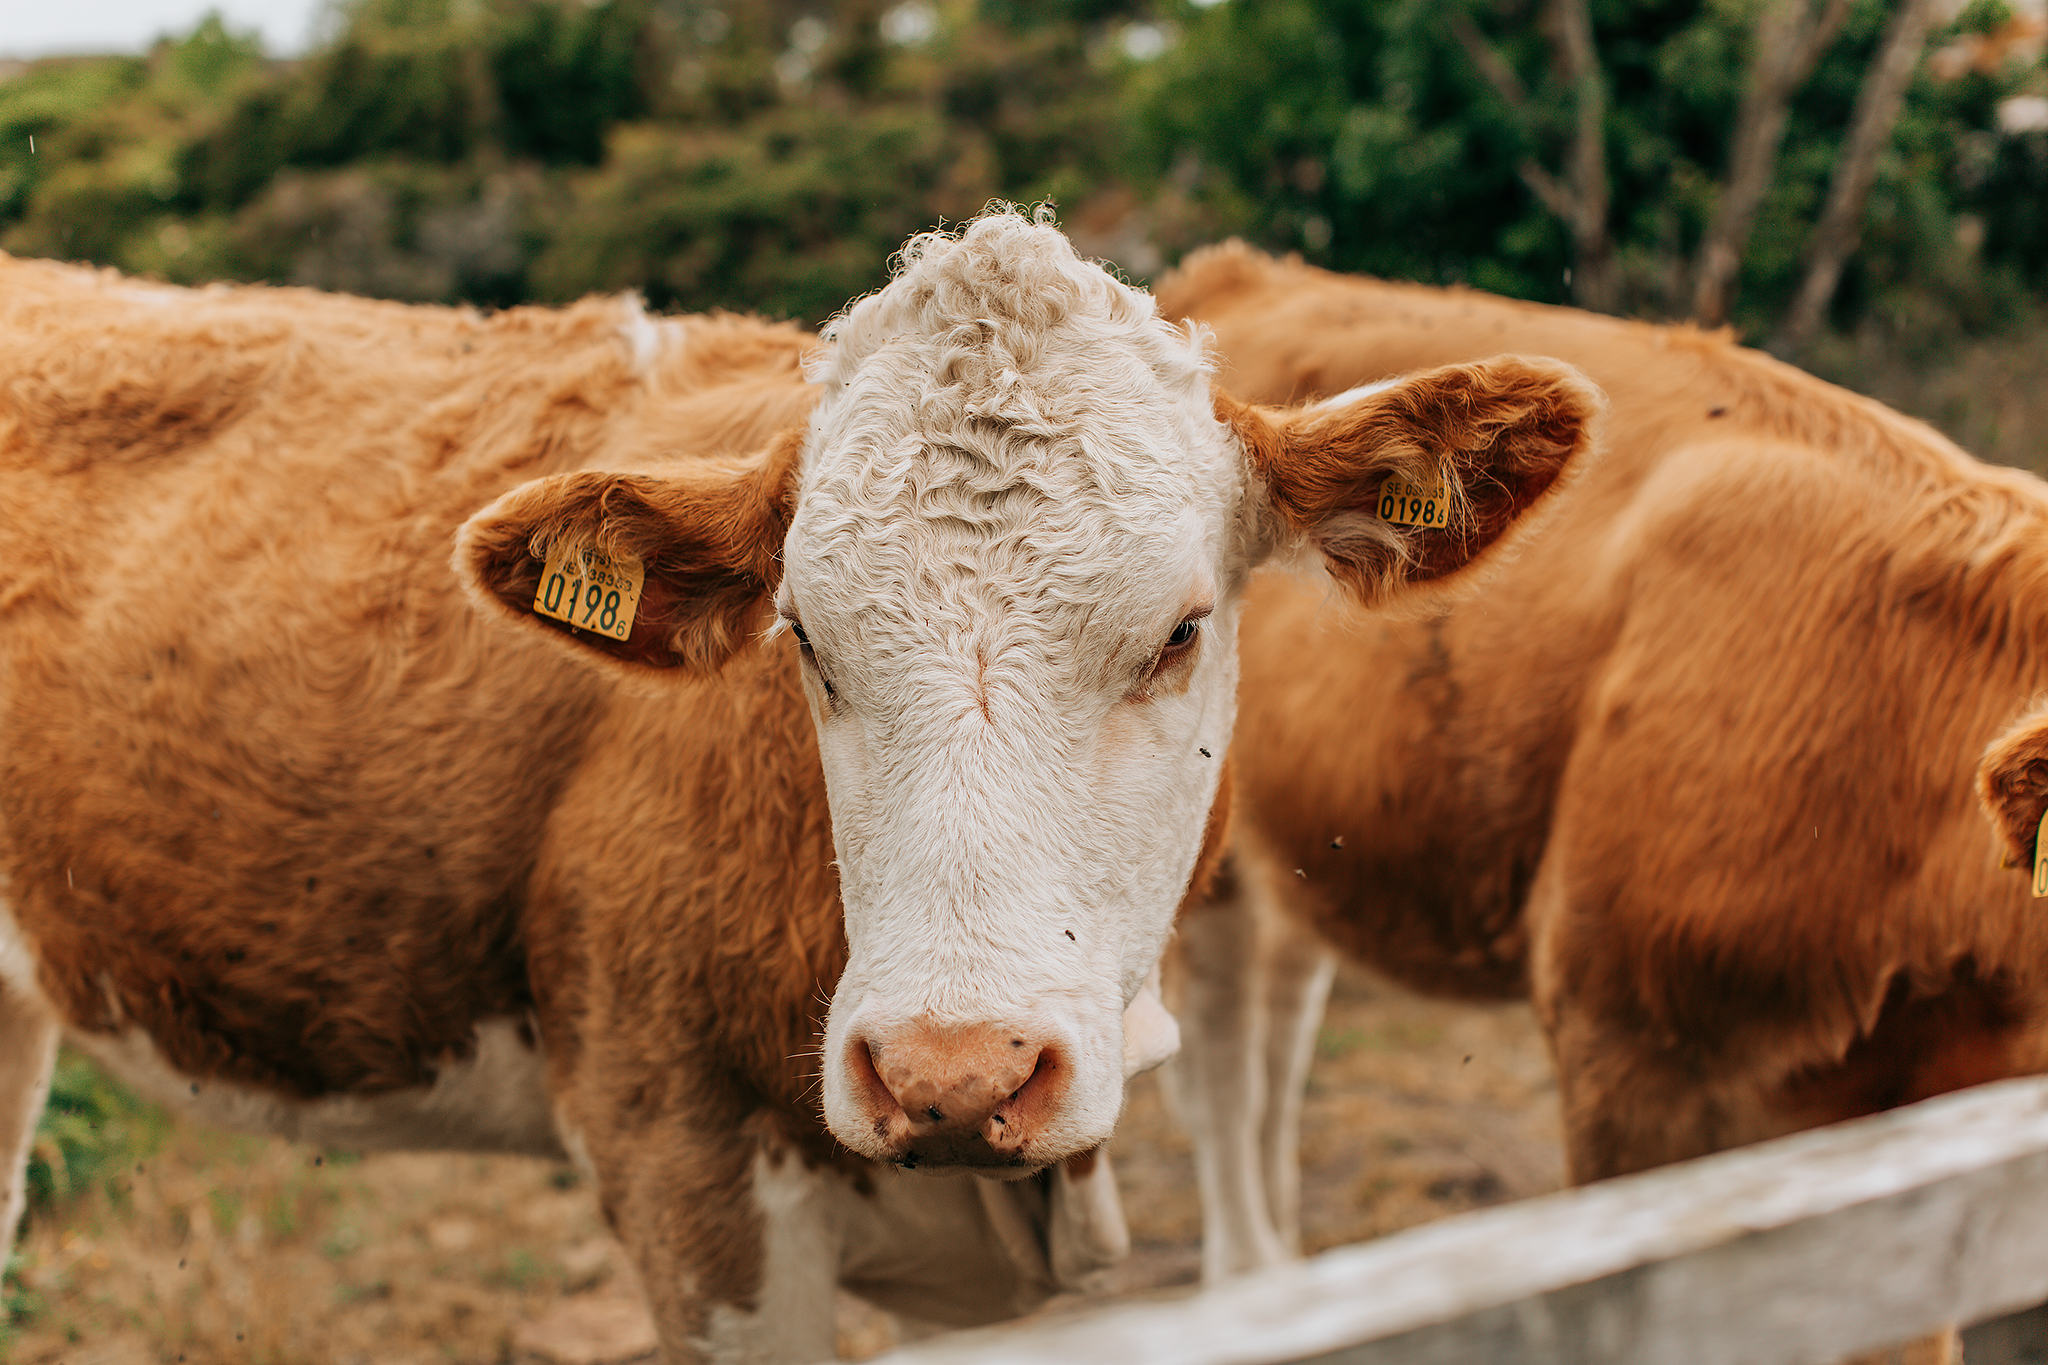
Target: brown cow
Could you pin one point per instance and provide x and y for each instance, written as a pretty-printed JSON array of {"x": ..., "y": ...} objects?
[
  {"x": 1694, "y": 769},
  {"x": 301, "y": 836}
]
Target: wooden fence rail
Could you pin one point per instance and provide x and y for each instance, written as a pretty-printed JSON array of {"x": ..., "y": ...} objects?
[{"x": 1793, "y": 1252}]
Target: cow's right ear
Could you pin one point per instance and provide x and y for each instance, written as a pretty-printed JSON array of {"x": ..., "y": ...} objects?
[
  {"x": 2012, "y": 782},
  {"x": 1411, "y": 481},
  {"x": 707, "y": 541}
]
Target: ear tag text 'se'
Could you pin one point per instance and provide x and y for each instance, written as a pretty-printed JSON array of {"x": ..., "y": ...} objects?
[
  {"x": 596, "y": 591},
  {"x": 1411, "y": 504},
  {"x": 2041, "y": 858}
]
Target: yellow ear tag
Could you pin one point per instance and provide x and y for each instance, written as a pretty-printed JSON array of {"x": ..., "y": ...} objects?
[
  {"x": 2041, "y": 858},
  {"x": 1409, "y": 504},
  {"x": 599, "y": 592}
]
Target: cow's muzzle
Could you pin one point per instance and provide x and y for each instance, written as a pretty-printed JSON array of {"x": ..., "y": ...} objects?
[{"x": 981, "y": 1095}]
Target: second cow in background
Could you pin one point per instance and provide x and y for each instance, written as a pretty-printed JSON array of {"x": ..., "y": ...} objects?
[{"x": 1697, "y": 770}]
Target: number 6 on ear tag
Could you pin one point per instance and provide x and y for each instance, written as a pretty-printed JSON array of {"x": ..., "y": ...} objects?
[
  {"x": 1408, "y": 504},
  {"x": 596, "y": 591},
  {"x": 2041, "y": 858}
]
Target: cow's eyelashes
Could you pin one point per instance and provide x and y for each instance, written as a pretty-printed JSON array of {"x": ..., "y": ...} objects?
[{"x": 803, "y": 643}]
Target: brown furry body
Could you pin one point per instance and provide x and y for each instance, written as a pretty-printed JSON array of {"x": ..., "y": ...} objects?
[{"x": 1696, "y": 768}]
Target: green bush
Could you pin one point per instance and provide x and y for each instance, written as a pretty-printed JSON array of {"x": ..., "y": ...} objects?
[
  {"x": 1360, "y": 133},
  {"x": 769, "y": 155},
  {"x": 93, "y": 1130},
  {"x": 759, "y": 158}
]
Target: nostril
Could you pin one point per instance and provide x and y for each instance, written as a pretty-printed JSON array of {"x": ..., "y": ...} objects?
[
  {"x": 871, "y": 1091},
  {"x": 1026, "y": 1111}
]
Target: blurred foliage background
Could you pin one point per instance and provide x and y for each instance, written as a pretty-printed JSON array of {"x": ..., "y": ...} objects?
[{"x": 769, "y": 155}]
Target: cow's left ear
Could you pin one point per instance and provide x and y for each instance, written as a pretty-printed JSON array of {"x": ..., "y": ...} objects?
[
  {"x": 700, "y": 549},
  {"x": 2012, "y": 782},
  {"x": 1415, "y": 479}
]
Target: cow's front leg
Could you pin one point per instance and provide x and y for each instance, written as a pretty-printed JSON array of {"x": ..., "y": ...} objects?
[
  {"x": 737, "y": 1243},
  {"x": 1296, "y": 970},
  {"x": 1218, "y": 1082},
  {"x": 28, "y": 1051}
]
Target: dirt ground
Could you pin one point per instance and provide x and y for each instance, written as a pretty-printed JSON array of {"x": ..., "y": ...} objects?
[{"x": 228, "y": 1250}]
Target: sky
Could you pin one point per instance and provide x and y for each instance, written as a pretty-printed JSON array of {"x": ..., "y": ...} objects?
[{"x": 43, "y": 28}]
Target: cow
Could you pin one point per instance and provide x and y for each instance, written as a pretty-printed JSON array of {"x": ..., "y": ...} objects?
[
  {"x": 764, "y": 776},
  {"x": 1694, "y": 771}
]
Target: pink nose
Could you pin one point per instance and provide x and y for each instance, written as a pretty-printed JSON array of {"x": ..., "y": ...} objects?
[{"x": 971, "y": 1096}]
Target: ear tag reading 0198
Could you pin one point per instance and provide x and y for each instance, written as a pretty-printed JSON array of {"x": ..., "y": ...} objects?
[
  {"x": 2041, "y": 858},
  {"x": 1411, "y": 504},
  {"x": 599, "y": 592}
]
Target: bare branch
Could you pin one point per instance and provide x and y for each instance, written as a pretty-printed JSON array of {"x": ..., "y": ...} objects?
[
  {"x": 1815, "y": 40},
  {"x": 1594, "y": 281},
  {"x": 1490, "y": 64},
  {"x": 1789, "y": 38},
  {"x": 1580, "y": 200},
  {"x": 1545, "y": 187},
  {"x": 1840, "y": 229}
]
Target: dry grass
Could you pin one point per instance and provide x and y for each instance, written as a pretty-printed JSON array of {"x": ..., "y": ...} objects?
[
  {"x": 228, "y": 1250},
  {"x": 223, "y": 1248}
]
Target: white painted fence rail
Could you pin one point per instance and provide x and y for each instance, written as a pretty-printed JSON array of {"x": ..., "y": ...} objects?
[{"x": 1793, "y": 1252}]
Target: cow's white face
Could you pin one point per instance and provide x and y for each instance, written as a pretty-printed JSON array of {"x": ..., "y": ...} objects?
[
  {"x": 1015, "y": 567},
  {"x": 1012, "y": 543}
]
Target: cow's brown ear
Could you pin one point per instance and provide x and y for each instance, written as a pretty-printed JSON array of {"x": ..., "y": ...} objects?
[
  {"x": 1413, "y": 481},
  {"x": 2012, "y": 782},
  {"x": 706, "y": 546}
]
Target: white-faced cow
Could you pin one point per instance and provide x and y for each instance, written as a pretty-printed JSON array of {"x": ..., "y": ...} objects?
[
  {"x": 306, "y": 831},
  {"x": 1696, "y": 769}
]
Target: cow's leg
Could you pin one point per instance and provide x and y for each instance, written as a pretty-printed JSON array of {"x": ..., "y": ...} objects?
[
  {"x": 1218, "y": 1081},
  {"x": 28, "y": 1052},
  {"x": 1297, "y": 972},
  {"x": 791, "y": 1317},
  {"x": 737, "y": 1246},
  {"x": 1625, "y": 1109},
  {"x": 1630, "y": 1099},
  {"x": 1633, "y": 1100}
]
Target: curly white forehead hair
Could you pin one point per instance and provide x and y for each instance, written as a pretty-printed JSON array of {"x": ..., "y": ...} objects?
[
  {"x": 996, "y": 301},
  {"x": 1012, "y": 404}
]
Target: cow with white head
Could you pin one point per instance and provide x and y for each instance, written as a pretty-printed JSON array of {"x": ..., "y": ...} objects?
[
  {"x": 1010, "y": 546},
  {"x": 944, "y": 634}
]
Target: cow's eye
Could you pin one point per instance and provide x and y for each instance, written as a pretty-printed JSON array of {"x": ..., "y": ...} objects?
[
  {"x": 803, "y": 642},
  {"x": 1178, "y": 645}
]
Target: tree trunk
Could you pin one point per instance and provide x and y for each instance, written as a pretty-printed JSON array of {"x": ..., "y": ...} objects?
[
  {"x": 1840, "y": 229},
  {"x": 1596, "y": 283},
  {"x": 1790, "y": 36},
  {"x": 1580, "y": 200}
]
